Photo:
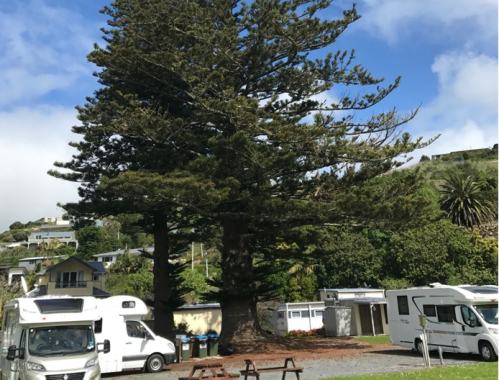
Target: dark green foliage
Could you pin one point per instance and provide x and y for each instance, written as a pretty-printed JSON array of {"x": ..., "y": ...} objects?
[
  {"x": 347, "y": 260},
  {"x": 441, "y": 252},
  {"x": 20, "y": 235},
  {"x": 424, "y": 158},
  {"x": 465, "y": 203},
  {"x": 16, "y": 226},
  {"x": 94, "y": 240}
]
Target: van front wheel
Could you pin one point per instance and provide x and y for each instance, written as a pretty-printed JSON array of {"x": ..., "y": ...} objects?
[
  {"x": 487, "y": 352},
  {"x": 419, "y": 346},
  {"x": 155, "y": 363}
]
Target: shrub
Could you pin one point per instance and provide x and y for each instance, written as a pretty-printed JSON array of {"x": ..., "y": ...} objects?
[
  {"x": 424, "y": 158},
  {"x": 303, "y": 333}
]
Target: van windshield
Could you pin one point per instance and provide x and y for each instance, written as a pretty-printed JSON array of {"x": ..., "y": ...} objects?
[
  {"x": 60, "y": 340},
  {"x": 488, "y": 312}
]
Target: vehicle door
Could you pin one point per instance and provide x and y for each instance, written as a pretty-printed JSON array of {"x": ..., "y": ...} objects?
[
  {"x": 18, "y": 362},
  {"x": 137, "y": 345},
  {"x": 444, "y": 331},
  {"x": 468, "y": 326}
]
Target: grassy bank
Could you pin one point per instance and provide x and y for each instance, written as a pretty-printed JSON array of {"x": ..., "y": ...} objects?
[{"x": 482, "y": 371}]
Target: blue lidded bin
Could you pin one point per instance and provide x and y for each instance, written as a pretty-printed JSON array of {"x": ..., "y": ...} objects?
[{"x": 213, "y": 344}]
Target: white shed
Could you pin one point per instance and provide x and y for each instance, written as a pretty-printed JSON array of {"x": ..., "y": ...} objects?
[{"x": 303, "y": 316}]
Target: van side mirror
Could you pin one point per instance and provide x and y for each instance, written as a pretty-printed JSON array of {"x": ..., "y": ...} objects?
[
  {"x": 106, "y": 347},
  {"x": 13, "y": 353},
  {"x": 472, "y": 321}
]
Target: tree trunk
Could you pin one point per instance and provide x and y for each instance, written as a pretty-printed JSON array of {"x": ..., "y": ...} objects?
[
  {"x": 239, "y": 315},
  {"x": 163, "y": 315}
]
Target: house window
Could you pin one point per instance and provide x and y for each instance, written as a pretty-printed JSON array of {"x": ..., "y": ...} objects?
[
  {"x": 107, "y": 259},
  {"x": 445, "y": 313},
  {"x": 32, "y": 261},
  {"x": 70, "y": 280},
  {"x": 319, "y": 313},
  {"x": 294, "y": 314},
  {"x": 403, "y": 305},
  {"x": 429, "y": 310},
  {"x": 96, "y": 277},
  {"x": 280, "y": 314},
  {"x": 38, "y": 237},
  {"x": 305, "y": 314}
]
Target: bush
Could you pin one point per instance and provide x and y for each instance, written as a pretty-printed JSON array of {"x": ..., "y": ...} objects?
[
  {"x": 303, "y": 333},
  {"x": 424, "y": 158}
]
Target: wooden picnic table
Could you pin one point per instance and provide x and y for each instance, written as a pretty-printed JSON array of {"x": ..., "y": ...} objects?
[
  {"x": 209, "y": 371},
  {"x": 253, "y": 370}
]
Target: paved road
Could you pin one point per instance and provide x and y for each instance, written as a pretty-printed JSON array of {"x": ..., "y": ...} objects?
[{"x": 394, "y": 360}]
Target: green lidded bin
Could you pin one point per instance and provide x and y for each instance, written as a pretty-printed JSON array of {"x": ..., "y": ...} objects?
[
  {"x": 213, "y": 344},
  {"x": 202, "y": 346},
  {"x": 185, "y": 351}
]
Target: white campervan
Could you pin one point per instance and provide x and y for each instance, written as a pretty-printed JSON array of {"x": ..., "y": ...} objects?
[
  {"x": 132, "y": 343},
  {"x": 50, "y": 338},
  {"x": 458, "y": 318}
]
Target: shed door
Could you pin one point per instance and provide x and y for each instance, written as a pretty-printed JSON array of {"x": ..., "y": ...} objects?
[{"x": 365, "y": 320}]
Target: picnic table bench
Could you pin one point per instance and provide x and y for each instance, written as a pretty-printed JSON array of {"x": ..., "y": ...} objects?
[
  {"x": 253, "y": 370},
  {"x": 209, "y": 371}
]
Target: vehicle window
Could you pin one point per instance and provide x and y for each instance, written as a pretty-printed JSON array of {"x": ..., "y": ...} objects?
[
  {"x": 22, "y": 343},
  {"x": 488, "y": 312},
  {"x": 98, "y": 326},
  {"x": 468, "y": 314},
  {"x": 60, "y": 340},
  {"x": 429, "y": 310},
  {"x": 445, "y": 313},
  {"x": 403, "y": 305}
]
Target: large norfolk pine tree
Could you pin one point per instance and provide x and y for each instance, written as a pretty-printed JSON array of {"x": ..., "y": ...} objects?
[{"x": 224, "y": 95}]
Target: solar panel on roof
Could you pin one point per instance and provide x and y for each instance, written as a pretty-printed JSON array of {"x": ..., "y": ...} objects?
[
  {"x": 66, "y": 305},
  {"x": 482, "y": 289}
]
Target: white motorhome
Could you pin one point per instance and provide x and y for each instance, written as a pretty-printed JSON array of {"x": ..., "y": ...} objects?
[
  {"x": 458, "y": 318},
  {"x": 132, "y": 343},
  {"x": 50, "y": 338}
]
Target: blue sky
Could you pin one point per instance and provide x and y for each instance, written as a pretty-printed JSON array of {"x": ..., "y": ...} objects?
[{"x": 445, "y": 51}]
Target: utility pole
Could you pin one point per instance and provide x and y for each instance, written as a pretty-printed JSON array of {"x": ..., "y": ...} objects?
[
  {"x": 206, "y": 261},
  {"x": 192, "y": 256},
  {"x": 202, "y": 250}
]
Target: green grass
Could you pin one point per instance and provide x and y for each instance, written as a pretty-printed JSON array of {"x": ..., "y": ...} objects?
[
  {"x": 482, "y": 371},
  {"x": 379, "y": 339}
]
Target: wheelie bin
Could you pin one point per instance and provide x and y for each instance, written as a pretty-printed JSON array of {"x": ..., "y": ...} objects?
[
  {"x": 213, "y": 344},
  {"x": 201, "y": 347}
]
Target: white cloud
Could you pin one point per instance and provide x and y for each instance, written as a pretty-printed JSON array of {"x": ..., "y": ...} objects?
[
  {"x": 465, "y": 111},
  {"x": 32, "y": 140},
  {"x": 41, "y": 50},
  {"x": 391, "y": 19}
]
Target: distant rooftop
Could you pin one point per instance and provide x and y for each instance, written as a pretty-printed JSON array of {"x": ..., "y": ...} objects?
[{"x": 133, "y": 251}]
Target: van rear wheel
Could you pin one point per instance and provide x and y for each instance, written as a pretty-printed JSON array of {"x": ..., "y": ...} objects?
[
  {"x": 487, "y": 352},
  {"x": 155, "y": 363}
]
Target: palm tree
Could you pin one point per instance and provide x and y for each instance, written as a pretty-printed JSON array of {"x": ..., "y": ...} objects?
[{"x": 464, "y": 202}]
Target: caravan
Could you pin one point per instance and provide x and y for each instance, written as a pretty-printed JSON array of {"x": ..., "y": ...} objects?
[
  {"x": 457, "y": 318},
  {"x": 50, "y": 337},
  {"x": 132, "y": 343}
]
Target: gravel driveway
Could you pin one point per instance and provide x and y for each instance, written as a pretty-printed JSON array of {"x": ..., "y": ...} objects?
[{"x": 381, "y": 361}]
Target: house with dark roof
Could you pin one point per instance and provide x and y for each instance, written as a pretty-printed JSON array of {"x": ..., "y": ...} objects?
[{"x": 72, "y": 277}]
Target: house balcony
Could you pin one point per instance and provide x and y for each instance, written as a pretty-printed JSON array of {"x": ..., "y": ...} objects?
[{"x": 69, "y": 284}]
